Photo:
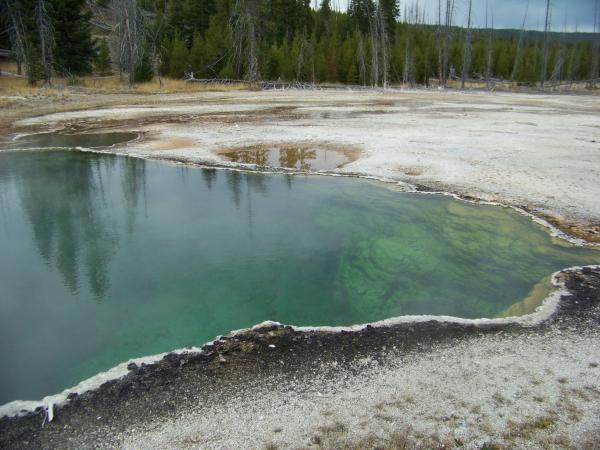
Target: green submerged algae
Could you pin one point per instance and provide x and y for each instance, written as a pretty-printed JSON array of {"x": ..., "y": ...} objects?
[{"x": 104, "y": 258}]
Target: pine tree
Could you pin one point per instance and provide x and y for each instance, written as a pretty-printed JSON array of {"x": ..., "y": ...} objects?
[
  {"x": 197, "y": 56},
  {"x": 217, "y": 41},
  {"x": 361, "y": 12},
  {"x": 178, "y": 64},
  {"x": 281, "y": 39},
  {"x": 287, "y": 67},
  {"x": 274, "y": 64},
  {"x": 103, "y": 62},
  {"x": 325, "y": 10},
  {"x": 74, "y": 49},
  {"x": 143, "y": 70},
  {"x": 390, "y": 10},
  {"x": 165, "y": 55}
]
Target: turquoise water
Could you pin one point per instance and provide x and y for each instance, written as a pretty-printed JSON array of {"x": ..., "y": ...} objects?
[{"x": 104, "y": 258}]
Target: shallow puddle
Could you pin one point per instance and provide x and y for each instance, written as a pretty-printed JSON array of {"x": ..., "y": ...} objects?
[
  {"x": 305, "y": 158},
  {"x": 62, "y": 140},
  {"x": 104, "y": 258}
]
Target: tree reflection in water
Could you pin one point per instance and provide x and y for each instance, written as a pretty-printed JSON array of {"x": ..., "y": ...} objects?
[
  {"x": 72, "y": 222},
  {"x": 66, "y": 197},
  {"x": 300, "y": 157}
]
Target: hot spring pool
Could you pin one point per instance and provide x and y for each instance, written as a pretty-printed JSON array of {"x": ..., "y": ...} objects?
[{"x": 104, "y": 258}]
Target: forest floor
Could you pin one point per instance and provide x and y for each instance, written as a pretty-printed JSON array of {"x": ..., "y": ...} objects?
[{"x": 511, "y": 388}]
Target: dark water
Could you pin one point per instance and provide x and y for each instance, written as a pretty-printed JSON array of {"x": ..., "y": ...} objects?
[{"x": 104, "y": 258}]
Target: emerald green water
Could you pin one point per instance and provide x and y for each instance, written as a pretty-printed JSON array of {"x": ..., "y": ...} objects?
[{"x": 105, "y": 258}]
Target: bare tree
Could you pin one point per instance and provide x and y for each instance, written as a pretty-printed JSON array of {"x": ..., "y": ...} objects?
[
  {"x": 596, "y": 47},
  {"x": 244, "y": 32},
  {"x": 545, "y": 50},
  {"x": 439, "y": 34},
  {"x": 130, "y": 36},
  {"x": 519, "y": 45},
  {"x": 46, "y": 38},
  {"x": 447, "y": 34},
  {"x": 408, "y": 72},
  {"x": 17, "y": 35},
  {"x": 467, "y": 50},
  {"x": 154, "y": 35},
  {"x": 101, "y": 15},
  {"x": 300, "y": 60},
  {"x": 490, "y": 50},
  {"x": 374, "y": 31},
  {"x": 362, "y": 66},
  {"x": 572, "y": 55},
  {"x": 384, "y": 44},
  {"x": 561, "y": 60}
]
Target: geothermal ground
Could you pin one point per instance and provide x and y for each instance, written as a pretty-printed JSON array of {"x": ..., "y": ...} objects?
[
  {"x": 437, "y": 384},
  {"x": 541, "y": 152}
]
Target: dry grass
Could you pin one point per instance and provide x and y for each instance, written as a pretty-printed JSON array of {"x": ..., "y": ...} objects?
[
  {"x": 394, "y": 441},
  {"x": 171, "y": 85},
  {"x": 15, "y": 86},
  {"x": 338, "y": 436},
  {"x": 163, "y": 86},
  {"x": 19, "y": 86},
  {"x": 12, "y": 85},
  {"x": 528, "y": 429}
]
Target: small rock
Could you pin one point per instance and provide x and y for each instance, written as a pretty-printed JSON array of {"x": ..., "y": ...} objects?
[
  {"x": 222, "y": 359},
  {"x": 132, "y": 366}
]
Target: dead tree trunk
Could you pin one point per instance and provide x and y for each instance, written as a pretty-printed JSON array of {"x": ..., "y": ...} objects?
[
  {"x": 596, "y": 46},
  {"x": 447, "y": 33},
  {"x": 407, "y": 73},
  {"x": 490, "y": 54},
  {"x": 467, "y": 50},
  {"x": 252, "y": 58},
  {"x": 129, "y": 27},
  {"x": 513, "y": 74},
  {"x": 384, "y": 44},
  {"x": 300, "y": 61},
  {"x": 45, "y": 35},
  {"x": 373, "y": 28},
  {"x": 545, "y": 50},
  {"x": 439, "y": 36},
  {"x": 557, "y": 71},
  {"x": 244, "y": 32},
  {"x": 17, "y": 35},
  {"x": 571, "y": 66},
  {"x": 154, "y": 36},
  {"x": 362, "y": 66}
]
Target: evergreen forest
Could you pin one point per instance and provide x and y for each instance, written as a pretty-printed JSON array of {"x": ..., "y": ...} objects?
[{"x": 370, "y": 44}]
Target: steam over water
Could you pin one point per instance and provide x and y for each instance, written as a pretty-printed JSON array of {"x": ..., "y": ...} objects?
[{"x": 104, "y": 258}]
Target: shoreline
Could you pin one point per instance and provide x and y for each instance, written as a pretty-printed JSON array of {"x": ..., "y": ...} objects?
[
  {"x": 542, "y": 312},
  {"x": 276, "y": 347}
]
